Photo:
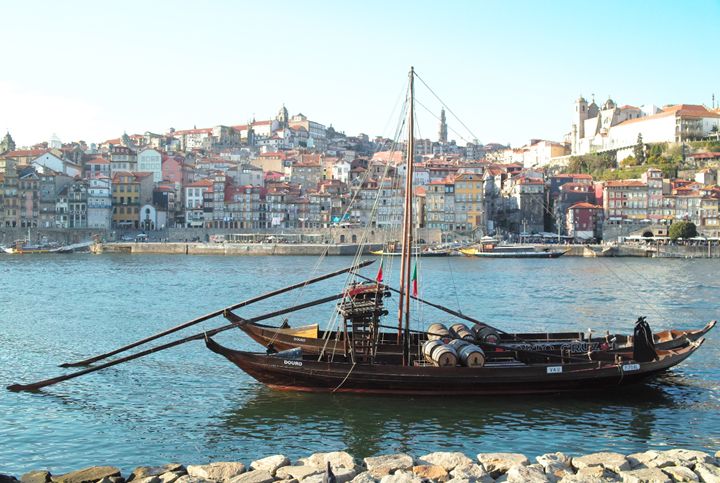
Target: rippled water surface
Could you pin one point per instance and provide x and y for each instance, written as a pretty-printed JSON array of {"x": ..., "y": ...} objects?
[{"x": 190, "y": 405}]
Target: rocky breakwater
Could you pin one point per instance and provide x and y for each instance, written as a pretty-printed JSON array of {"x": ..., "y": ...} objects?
[{"x": 676, "y": 465}]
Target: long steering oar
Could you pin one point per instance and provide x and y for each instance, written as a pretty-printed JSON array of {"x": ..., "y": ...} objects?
[
  {"x": 438, "y": 306},
  {"x": 215, "y": 314},
  {"x": 49, "y": 382}
]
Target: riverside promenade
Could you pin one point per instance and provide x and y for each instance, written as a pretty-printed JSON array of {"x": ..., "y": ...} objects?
[
  {"x": 675, "y": 465},
  {"x": 250, "y": 249},
  {"x": 350, "y": 249}
]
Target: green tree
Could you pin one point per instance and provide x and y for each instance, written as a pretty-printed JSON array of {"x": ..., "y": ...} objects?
[
  {"x": 683, "y": 229},
  {"x": 657, "y": 149},
  {"x": 639, "y": 150},
  {"x": 630, "y": 161}
]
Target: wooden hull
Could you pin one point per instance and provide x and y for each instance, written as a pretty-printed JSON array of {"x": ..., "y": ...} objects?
[
  {"x": 309, "y": 374},
  {"x": 414, "y": 254},
  {"x": 501, "y": 254},
  {"x": 311, "y": 340}
]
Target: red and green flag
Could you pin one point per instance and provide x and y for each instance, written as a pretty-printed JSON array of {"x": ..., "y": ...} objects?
[
  {"x": 379, "y": 277},
  {"x": 414, "y": 281}
]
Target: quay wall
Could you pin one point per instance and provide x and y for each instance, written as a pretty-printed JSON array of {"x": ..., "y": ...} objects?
[
  {"x": 170, "y": 248},
  {"x": 350, "y": 249},
  {"x": 332, "y": 235}
]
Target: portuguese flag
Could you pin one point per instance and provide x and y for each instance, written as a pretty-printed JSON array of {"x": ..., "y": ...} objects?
[
  {"x": 379, "y": 277},
  {"x": 414, "y": 281}
]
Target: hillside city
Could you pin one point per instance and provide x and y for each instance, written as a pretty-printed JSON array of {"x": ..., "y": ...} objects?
[{"x": 618, "y": 169}]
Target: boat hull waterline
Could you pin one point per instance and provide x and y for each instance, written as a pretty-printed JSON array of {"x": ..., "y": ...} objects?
[{"x": 308, "y": 375}]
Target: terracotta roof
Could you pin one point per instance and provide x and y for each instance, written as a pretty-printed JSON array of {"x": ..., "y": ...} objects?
[
  {"x": 705, "y": 155},
  {"x": 26, "y": 152},
  {"x": 99, "y": 160},
  {"x": 206, "y": 130},
  {"x": 203, "y": 183},
  {"x": 526, "y": 180},
  {"x": 419, "y": 191},
  {"x": 396, "y": 157},
  {"x": 678, "y": 110},
  {"x": 584, "y": 205}
]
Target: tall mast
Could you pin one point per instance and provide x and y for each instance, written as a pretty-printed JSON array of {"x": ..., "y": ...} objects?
[{"x": 404, "y": 307}]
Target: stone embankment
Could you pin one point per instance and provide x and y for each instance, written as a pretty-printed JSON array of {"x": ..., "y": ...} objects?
[
  {"x": 171, "y": 248},
  {"x": 676, "y": 465}
]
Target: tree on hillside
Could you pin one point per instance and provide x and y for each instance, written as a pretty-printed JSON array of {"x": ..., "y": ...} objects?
[
  {"x": 683, "y": 229},
  {"x": 639, "y": 150},
  {"x": 630, "y": 161},
  {"x": 592, "y": 164}
]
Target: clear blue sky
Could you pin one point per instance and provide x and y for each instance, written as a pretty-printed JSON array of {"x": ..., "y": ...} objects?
[{"x": 510, "y": 69}]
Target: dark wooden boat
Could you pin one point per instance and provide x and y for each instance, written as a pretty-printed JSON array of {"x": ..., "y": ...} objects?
[
  {"x": 499, "y": 253},
  {"x": 302, "y": 372},
  {"x": 415, "y": 253},
  {"x": 360, "y": 357},
  {"x": 311, "y": 339}
]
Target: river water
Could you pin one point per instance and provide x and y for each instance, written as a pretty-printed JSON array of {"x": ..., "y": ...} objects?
[{"x": 189, "y": 405}]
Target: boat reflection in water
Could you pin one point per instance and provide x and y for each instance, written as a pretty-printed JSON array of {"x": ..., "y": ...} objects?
[{"x": 290, "y": 422}]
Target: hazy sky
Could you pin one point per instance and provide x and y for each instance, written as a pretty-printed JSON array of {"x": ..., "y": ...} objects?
[{"x": 510, "y": 70}]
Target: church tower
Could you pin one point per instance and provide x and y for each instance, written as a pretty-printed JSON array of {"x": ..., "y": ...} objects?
[
  {"x": 442, "y": 135},
  {"x": 283, "y": 117},
  {"x": 581, "y": 114},
  {"x": 250, "y": 133},
  {"x": 7, "y": 144}
]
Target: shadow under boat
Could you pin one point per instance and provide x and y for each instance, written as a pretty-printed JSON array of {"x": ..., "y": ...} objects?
[{"x": 370, "y": 425}]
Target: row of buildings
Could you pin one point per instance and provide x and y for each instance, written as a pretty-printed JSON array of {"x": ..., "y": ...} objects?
[{"x": 293, "y": 173}]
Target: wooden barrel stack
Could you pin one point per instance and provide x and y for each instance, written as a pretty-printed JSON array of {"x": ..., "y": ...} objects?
[
  {"x": 438, "y": 331},
  {"x": 439, "y": 353},
  {"x": 483, "y": 333}
]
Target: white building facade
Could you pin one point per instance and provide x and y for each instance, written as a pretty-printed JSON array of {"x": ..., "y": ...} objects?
[{"x": 150, "y": 161}]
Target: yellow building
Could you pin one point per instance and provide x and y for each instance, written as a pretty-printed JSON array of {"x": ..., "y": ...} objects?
[
  {"x": 129, "y": 192},
  {"x": 469, "y": 200}
]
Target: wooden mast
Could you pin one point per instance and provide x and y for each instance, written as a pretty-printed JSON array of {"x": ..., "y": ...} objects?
[{"x": 404, "y": 308}]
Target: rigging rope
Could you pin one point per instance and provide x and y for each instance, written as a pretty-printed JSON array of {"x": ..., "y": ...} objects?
[{"x": 350, "y": 278}]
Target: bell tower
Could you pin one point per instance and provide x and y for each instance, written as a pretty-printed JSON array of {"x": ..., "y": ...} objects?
[
  {"x": 7, "y": 144},
  {"x": 283, "y": 117},
  {"x": 442, "y": 134}
]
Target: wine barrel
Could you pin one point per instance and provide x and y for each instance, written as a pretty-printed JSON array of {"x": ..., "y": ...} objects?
[
  {"x": 444, "y": 356},
  {"x": 461, "y": 331},
  {"x": 489, "y": 335},
  {"x": 476, "y": 328},
  {"x": 472, "y": 356},
  {"x": 437, "y": 331},
  {"x": 458, "y": 344},
  {"x": 431, "y": 346}
]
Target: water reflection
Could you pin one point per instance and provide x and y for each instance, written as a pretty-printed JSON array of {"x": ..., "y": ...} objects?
[
  {"x": 189, "y": 405},
  {"x": 371, "y": 425}
]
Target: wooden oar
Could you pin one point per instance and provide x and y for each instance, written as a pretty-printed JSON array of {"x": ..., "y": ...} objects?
[
  {"x": 49, "y": 382},
  {"x": 215, "y": 314},
  {"x": 437, "y": 306}
]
